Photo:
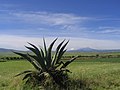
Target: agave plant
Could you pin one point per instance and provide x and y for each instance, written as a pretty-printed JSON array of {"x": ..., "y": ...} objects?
[{"x": 46, "y": 64}]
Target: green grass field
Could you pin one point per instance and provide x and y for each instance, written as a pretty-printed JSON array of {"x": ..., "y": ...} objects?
[{"x": 97, "y": 74}]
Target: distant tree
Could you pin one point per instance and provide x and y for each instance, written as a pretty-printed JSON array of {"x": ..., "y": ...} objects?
[{"x": 97, "y": 55}]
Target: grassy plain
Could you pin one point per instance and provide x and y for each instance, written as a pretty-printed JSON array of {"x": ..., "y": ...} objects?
[{"x": 92, "y": 74}]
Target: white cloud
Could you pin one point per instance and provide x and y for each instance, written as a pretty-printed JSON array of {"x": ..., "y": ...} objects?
[
  {"x": 54, "y": 24},
  {"x": 109, "y": 30},
  {"x": 17, "y": 42},
  {"x": 94, "y": 43},
  {"x": 49, "y": 18},
  {"x": 27, "y": 22}
]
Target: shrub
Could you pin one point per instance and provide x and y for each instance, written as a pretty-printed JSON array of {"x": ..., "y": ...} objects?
[{"x": 48, "y": 68}]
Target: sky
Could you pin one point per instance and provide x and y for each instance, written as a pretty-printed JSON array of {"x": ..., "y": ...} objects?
[{"x": 86, "y": 23}]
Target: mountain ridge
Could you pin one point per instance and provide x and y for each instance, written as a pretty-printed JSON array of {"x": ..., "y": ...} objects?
[
  {"x": 8, "y": 50},
  {"x": 87, "y": 49}
]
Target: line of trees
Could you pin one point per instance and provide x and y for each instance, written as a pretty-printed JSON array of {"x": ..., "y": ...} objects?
[
  {"x": 94, "y": 56},
  {"x": 11, "y": 58},
  {"x": 67, "y": 57}
]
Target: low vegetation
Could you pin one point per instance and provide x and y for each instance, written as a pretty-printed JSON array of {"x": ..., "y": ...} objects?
[{"x": 86, "y": 75}]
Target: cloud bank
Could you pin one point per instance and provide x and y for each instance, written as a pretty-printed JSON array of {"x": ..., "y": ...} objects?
[{"x": 17, "y": 42}]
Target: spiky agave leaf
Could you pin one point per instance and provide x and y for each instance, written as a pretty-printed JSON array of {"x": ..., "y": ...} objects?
[
  {"x": 31, "y": 49},
  {"x": 33, "y": 73},
  {"x": 28, "y": 75},
  {"x": 61, "y": 52},
  {"x": 24, "y": 72},
  {"x": 35, "y": 60},
  {"x": 49, "y": 59},
  {"x": 56, "y": 53},
  {"x": 42, "y": 53},
  {"x": 68, "y": 62},
  {"x": 45, "y": 48},
  {"x": 38, "y": 57},
  {"x": 36, "y": 50}
]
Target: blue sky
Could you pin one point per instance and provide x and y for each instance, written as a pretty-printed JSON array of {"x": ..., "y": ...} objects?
[{"x": 87, "y": 23}]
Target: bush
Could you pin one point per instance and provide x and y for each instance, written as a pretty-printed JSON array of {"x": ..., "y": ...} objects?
[{"x": 49, "y": 70}]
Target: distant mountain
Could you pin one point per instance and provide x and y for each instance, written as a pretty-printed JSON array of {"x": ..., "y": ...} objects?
[
  {"x": 7, "y": 50},
  {"x": 87, "y": 49}
]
